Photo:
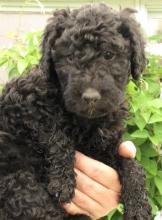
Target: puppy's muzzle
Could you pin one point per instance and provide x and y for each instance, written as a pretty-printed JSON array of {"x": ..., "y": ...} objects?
[{"x": 91, "y": 95}]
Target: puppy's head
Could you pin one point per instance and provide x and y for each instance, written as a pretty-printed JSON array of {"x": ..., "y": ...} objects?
[{"x": 91, "y": 52}]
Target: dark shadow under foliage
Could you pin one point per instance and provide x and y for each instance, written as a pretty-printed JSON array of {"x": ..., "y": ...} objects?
[{"x": 73, "y": 100}]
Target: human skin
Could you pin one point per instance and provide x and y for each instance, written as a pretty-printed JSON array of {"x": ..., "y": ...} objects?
[{"x": 97, "y": 185}]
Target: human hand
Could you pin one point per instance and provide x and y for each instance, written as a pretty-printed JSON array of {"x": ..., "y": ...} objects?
[{"x": 97, "y": 185}]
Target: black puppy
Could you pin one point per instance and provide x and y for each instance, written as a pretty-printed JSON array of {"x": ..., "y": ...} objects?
[{"x": 73, "y": 100}]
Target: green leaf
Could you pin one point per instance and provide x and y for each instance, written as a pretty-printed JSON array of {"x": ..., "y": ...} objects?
[
  {"x": 146, "y": 115},
  {"x": 120, "y": 208},
  {"x": 159, "y": 173},
  {"x": 130, "y": 121},
  {"x": 154, "y": 88},
  {"x": 22, "y": 64},
  {"x": 116, "y": 216},
  {"x": 131, "y": 88},
  {"x": 3, "y": 61},
  {"x": 158, "y": 183},
  {"x": 23, "y": 53},
  {"x": 116, "y": 212},
  {"x": 155, "y": 118},
  {"x": 134, "y": 105},
  {"x": 140, "y": 134},
  {"x": 149, "y": 151},
  {"x": 110, "y": 215},
  {"x": 138, "y": 153},
  {"x": 154, "y": 139},
  {"x": 150, "y": 165},
  {"x": 155, "y": 37},
  {"x": 140, "y": 100},
  {"x": 153, "y": 206},
  {"x": 138, "y": 141},
  {"x": 156, "y": 103},
  {"x": 140, "y": 122},
  {"x": 157, "y": 128},
  {"x": 159, "y": 200},
  {"x": 156, "y": 110},
  {"x": 12, "y": 72}
]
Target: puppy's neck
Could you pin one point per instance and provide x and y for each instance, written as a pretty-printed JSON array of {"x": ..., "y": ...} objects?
[{"x": 104, "y": 122}]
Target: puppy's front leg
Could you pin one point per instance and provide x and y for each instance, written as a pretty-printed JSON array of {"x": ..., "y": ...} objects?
[
  {"x": 134, "y": 195},
  {"x": 60, "y": 160}
]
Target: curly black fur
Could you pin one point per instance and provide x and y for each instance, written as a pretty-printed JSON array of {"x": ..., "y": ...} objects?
[{"x": 73, "y": 100}]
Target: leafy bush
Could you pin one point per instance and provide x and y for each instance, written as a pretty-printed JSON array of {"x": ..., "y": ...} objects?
[
  {"x": 25, "y": 53},
  {"x": 144, "y": 125}
]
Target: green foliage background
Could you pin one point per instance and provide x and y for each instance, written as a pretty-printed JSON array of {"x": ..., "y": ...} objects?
[{"x": 144, "y": 125}]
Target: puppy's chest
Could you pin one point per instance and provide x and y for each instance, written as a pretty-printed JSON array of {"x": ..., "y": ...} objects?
[{"x": 100, "y": 145}]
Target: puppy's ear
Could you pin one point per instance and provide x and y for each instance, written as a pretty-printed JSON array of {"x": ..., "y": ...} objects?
[
  {"x": 130, "y": 30},
  {"x": 53, "y": 31}
]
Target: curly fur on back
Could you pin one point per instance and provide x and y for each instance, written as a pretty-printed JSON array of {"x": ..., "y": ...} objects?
[{"x": 73, "y": 100}]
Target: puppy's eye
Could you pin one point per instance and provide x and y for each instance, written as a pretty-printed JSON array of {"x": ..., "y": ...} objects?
[{"x": 108, "y": 55}]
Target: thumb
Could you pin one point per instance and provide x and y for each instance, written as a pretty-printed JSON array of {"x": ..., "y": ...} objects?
[{"x": 127, "y": 149}]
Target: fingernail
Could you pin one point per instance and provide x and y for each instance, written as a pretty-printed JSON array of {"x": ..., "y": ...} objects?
[{"x": 131, "y": 147}]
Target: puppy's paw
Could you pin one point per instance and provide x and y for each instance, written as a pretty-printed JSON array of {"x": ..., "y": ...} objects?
[
  {"x": 66, "y": 194},
  {"x": 63, "y": 193}
]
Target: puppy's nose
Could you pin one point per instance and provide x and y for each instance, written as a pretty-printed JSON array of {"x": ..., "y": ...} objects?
[{"x": 91, "y": 95}]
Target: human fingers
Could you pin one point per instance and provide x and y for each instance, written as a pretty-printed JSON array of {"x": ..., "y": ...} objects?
[
  {"x": 72, "y": 209},
  {"x": 98, "y": 171},
  {"x": 101, "y": 195},
  {"x": 127, "y": 149},
  {"x": 83, "y": 204}
]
